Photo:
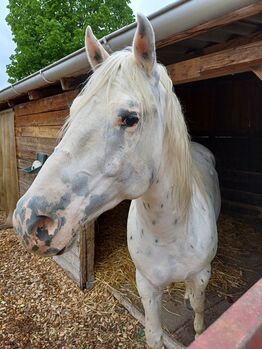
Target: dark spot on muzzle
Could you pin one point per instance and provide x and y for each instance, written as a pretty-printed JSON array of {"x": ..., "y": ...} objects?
[{"x": 42, "y": 234}]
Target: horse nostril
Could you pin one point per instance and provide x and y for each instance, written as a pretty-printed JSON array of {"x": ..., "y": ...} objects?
[{"x": 45, "y": 229}]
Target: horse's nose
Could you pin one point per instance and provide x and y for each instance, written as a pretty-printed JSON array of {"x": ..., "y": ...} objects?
[
  {"x": 37, "y": 231},
  {"x": 42, "y": 233}
]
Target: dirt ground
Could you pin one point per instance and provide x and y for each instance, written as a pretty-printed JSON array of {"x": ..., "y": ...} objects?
[
  {"x": 236, "y": 267},
  {"x": 41, "y": 308}
]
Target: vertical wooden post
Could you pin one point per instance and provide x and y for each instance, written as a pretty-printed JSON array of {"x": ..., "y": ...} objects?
[
  {"x": 8, "y": 178},
  {"x": 87, "y": 256}
]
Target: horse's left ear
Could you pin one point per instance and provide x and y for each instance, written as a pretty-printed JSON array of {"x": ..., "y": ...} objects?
[
  {"x": 96, "y": 53},
  {"x": 144, "y": 44}
]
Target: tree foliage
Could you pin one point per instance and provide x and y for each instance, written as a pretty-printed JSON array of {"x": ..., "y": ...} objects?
[{"x": 47, "y": 30}]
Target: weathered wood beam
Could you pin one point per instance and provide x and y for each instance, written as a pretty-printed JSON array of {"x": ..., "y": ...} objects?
[
  {"x": 11, "y": 103},
  {"x": 246, "y": 332},
  {"x": 87, "y": 256},
  {"x": 258, "y": 71},
  {"x": 230, "y": 61},
  {"x": 169, "y": 342},
  {"x": 38, "y": 131},
  {"x": 242, "y": 40},
  {"x": 72, "y": 83},
  {"x": 236, "y": 15},
  {"x": 35, "y": 95},
  {"x": 19, "y": 100}
]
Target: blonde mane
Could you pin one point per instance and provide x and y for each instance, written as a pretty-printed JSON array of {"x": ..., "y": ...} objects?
[{"x": 182, "y": 171}]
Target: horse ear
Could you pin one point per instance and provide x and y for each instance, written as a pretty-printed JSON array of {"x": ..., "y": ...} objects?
[
  {"x": 96, "y": 53},
  {"x": 144, "y": 44}
]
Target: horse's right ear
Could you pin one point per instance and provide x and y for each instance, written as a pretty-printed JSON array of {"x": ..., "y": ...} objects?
[{"x": 96, "y": 53}]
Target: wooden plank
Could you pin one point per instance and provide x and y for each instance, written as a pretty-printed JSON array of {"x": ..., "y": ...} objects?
[
  {"x": 23, "y": 163},
  {"x": 258, "y": 71},
  {"x": 57, "y": 102},
  {"x": 22, "y": 189},
  {"x": 169, "y": 342},
  {"x": 38, "y": 131},
  {"x": 8, "y": 163},
  {"x": 241, "y": 196},
  {"x": 25, "y": 180},
  {"x": 70, "y": 262},
  {"x": 236, "y": 15},
  {"x": 243, "y": 40},
  {"x": 51, "y": 118},
  {"x": 44, "y": 92},
  {"x": 230, "y": 61},
  {"x": 89, "y": 255},
  {"x": 71, "y": 83},
  {"x": 241, "y": 209},
  {"x": 239, "y": 327},
  {"x": 70, "y": 269},
  {"x": 27, "y": 147},
  {"x": 241, "y": 180}
]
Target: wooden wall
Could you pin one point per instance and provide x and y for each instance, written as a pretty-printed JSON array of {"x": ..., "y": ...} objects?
[
  {"x": 225, "y": 114},
  {"x": 37, "y": 124},
  {"x": 8, "y": 170}
]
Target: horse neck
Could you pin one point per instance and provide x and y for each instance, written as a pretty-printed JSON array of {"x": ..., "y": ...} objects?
[{"x": 156, "y": 208}]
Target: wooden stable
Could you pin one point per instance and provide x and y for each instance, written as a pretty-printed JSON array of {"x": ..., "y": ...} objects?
[{"x": 216, "y": 68}]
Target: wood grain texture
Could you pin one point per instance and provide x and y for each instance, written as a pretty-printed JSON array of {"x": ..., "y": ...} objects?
[
  {"x": 57, "y": 102},
  {"x": 27, "y": 147},
  {"x": 38, "y": 131},
  {"x": 89, "y": 254},
  {"x": 8, "y": 178},
  {"x": 51, "y": 118},
  {"x": 70, "y": 261},
  {"x": 233, "y": 43},
  {"x": 258, "y": 71},
  {"x": 169, "y": 342},
  {"x": 234, "y": 16},
  {"x": 230, "y": 61}
]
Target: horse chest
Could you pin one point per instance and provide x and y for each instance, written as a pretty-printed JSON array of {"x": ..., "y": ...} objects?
[{"x": 172, "y": 256}]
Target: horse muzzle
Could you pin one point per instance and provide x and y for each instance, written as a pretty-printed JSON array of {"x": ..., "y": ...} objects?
[{"x": 38, "y": 231}]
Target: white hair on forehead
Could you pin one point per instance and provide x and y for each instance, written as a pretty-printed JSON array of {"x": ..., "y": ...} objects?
[{"x": 120, "y": 72}]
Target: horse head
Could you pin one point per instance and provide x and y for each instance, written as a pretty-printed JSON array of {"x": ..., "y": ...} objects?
[{"x": 110, "y": 150}]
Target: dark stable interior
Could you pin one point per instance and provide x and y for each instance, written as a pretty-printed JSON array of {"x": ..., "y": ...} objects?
[{"x": 224, "y": 114}]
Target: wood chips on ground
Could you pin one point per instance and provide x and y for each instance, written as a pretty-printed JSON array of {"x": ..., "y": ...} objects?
[{"x": 40, "y": 307}]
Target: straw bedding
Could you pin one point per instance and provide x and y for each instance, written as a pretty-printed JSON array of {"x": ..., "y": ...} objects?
[
  {"x": 41, "y": 308},
  {"x": 235, "y": 239}
]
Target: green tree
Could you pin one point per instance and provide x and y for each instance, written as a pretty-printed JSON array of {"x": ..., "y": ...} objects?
[{"x": 47, "y": 30}]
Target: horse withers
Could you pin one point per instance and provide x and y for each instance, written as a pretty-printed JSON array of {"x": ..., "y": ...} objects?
[{"x": 126, "y": 138}]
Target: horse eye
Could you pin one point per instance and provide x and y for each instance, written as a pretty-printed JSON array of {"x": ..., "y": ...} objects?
[{"x": 130, "y": 121}]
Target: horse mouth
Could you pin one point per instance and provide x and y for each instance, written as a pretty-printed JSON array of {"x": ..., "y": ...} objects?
[{"x": 61, "y": 252}]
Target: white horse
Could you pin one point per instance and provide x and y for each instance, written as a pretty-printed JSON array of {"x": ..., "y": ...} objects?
[{"x": 126, "y": 138}]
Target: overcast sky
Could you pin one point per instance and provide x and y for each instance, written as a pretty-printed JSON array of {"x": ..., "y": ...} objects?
[{"x": 7, "y": 45}]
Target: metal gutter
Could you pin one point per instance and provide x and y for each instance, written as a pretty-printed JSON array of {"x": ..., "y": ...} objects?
[{"x": 172, "y": 19}]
